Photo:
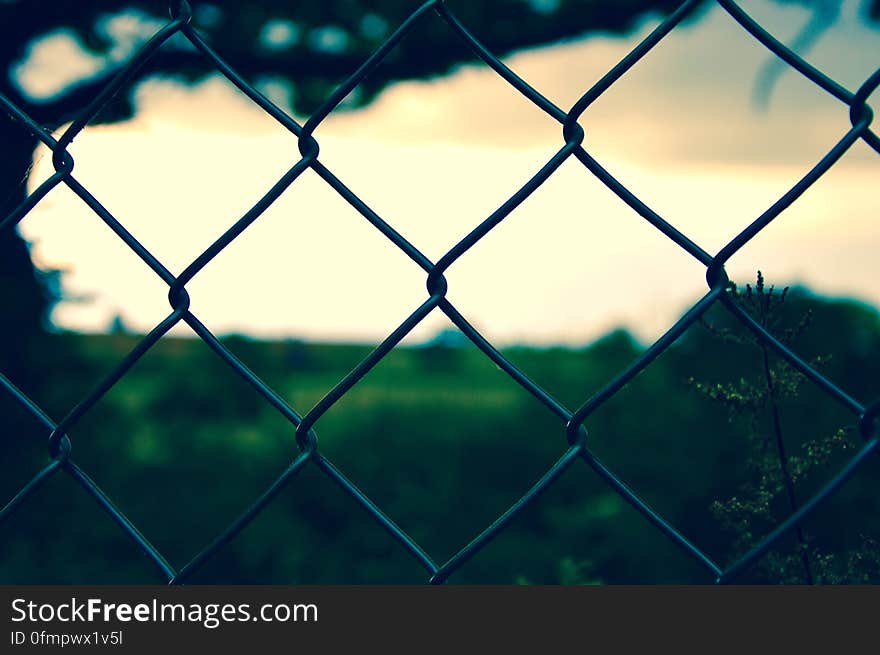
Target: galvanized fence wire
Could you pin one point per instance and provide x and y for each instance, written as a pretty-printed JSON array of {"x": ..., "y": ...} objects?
[{"x": 577, "y": 447}]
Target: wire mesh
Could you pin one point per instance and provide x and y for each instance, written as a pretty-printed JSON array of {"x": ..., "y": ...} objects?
[{"x": 573, "y": 420}]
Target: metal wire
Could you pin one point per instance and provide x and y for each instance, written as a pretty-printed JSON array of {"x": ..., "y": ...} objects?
[{"x": 577, "y": 447}]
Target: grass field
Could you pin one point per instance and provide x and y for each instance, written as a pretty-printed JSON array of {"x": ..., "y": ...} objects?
[{"x": 438, "y": 437}]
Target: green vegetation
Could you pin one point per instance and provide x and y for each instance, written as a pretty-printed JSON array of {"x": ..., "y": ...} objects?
[
  {"x": 779, "y": 476},
  {"x": 441, "y": 440}
]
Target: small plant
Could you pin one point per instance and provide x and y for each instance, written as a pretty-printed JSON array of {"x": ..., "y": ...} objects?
[
  {"x": 571, "y": 571},
  {"x": 776, "y": 475}
]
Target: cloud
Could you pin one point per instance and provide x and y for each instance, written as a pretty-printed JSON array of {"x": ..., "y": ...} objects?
[{"x": 434, "y": 158}]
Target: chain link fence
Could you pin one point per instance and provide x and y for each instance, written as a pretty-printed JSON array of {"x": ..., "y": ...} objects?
[{"x": 577, "y": 447}]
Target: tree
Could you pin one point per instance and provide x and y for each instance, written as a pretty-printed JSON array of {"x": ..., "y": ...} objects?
[{"x": 312, "y": 45}]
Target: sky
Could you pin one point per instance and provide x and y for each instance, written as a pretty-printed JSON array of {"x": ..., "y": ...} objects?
[{"x": 684, "y": 130}]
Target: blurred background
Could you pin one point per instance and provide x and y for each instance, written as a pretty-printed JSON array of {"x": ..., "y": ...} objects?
[{"x": 709, "y": 130}]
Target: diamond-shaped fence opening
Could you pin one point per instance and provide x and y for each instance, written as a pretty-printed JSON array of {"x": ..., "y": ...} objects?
[
  {"x": 554, "y": 257},
  {"x": 317, "y": 281},
  {"x": 574, "y": 441}
]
